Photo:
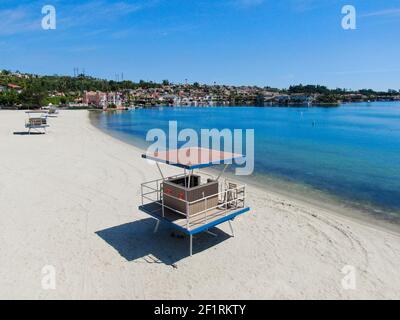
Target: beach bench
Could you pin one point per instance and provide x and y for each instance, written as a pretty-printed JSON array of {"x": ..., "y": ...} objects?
[
  {"x": 52, "y": 112},
  {"x": 37, "y": 121}
]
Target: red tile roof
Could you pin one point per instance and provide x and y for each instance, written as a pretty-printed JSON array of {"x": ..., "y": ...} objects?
[{"x": 13, "y": 86}]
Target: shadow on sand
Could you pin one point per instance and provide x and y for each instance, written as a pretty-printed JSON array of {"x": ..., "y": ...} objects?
[
  {"x": 136, "y": 240},
  {"x": 26, "y": 133}
]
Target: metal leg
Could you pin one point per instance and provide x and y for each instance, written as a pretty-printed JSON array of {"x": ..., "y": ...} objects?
[
  {"x": 222, "y": 172},
  {"x": 230, "y": 226},
  {"x": 156, "y": 227},
  {"x": 191, "y": 245},
  {"x": 211, "y": 233},
  {"x": 159, "y": 169},
  {"x": 162, "y": 206}
]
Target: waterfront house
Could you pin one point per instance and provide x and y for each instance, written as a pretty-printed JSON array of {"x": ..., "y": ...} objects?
[
  {"x": 113, "y": 99},
  {"x": 14, "y": 87},
  {"x": 95, "y": 98},
  {"x": 282, "y": 99},
  {"x": 301, "y": 99}
]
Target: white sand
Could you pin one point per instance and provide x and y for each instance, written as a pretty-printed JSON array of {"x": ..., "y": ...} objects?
[{"x": 58, "y": 190}]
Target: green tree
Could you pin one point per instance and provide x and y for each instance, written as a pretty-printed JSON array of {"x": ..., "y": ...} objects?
[
  {"x": 9, "y": 98},
  {"x": 33, "y": 95}
]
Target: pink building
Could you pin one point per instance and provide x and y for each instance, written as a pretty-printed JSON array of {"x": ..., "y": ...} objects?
[
  {"x": 96, "y": 98},
  {"x": 102, "y": 99}
]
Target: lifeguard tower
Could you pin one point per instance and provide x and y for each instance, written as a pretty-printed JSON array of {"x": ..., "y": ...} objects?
[{"x": 193, "y": 202}]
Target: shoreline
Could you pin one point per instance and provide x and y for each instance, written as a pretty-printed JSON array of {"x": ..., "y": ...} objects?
[
  {"x": 332, "y": 204},
  {"x": 69, "y": 199}
]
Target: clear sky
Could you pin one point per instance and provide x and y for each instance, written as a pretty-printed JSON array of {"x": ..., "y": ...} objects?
[{"x": 254, "y": 42}]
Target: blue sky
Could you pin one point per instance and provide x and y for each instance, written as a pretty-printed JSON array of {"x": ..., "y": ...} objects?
[{"x": 255, "y": 42}]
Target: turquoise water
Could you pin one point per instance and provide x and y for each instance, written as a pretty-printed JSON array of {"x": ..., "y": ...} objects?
[{"x": 351, "y": 152}]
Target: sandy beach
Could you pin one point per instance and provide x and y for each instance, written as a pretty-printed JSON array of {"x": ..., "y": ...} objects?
[{"x": 70, "y": 198}]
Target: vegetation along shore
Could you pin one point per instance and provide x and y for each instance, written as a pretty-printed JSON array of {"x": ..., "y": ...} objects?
[{"x": 22, "y": 90}]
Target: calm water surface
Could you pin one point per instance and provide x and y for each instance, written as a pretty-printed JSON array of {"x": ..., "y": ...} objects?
[{"x": 351, "y": 153}]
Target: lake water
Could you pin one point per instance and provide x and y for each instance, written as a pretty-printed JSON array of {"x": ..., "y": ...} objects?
[{"x": 350, "y": 153}]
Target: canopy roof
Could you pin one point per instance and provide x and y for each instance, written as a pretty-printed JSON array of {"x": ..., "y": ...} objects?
[{"x": 193, "y": 157}]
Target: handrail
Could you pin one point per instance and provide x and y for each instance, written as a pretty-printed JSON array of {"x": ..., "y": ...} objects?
[
  {"x": 217, "y": 206},
  {"x": 171, "y": 177},
  {"x": 166, "y": 206},
  {"x": 204, "y": 198},
  {"x": 192, "y": 219}
]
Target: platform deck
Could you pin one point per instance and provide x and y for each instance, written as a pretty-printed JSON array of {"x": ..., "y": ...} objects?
[{"x": 198, "y": 223}]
